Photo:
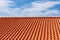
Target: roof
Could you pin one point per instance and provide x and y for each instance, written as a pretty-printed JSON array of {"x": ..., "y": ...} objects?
[{"x": 34, "y": 28}]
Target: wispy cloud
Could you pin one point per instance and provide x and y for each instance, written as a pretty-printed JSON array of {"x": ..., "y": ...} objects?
[
  {"x": 36, "y": 8},
  {"x": 5, "y": 6},
  {"x": 39, "y": 9}
]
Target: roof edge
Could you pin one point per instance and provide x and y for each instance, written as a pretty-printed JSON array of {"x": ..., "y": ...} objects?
[{"x": 34, "y": 17}]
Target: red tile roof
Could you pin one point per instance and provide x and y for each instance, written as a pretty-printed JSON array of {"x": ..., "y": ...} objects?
[{"x": 41, "y": 28}]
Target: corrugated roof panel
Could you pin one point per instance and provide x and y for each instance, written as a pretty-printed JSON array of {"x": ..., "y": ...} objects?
[{"x": 30, "y": 28}]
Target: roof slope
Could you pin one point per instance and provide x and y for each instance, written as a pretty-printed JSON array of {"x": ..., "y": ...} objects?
[{"x": 47, "y": 28}]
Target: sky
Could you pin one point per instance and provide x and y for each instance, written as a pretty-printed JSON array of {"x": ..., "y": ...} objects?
[{"x": 29, "y": 8}]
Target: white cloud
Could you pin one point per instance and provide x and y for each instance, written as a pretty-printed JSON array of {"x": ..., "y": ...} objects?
[
  {"x": 35, "y": 8},
  {"x": 43, "y": 5},
  {"x": 5, "y": 2},
  {"x": 53, "y": 12},
  {"x": 5, "y": 6}
]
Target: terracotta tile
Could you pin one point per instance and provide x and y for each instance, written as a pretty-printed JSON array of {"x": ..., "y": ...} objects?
[{"x": 34, "y": 28}]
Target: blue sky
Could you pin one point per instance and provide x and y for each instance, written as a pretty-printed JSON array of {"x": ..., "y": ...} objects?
[{"x": 29, "y": 8}]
